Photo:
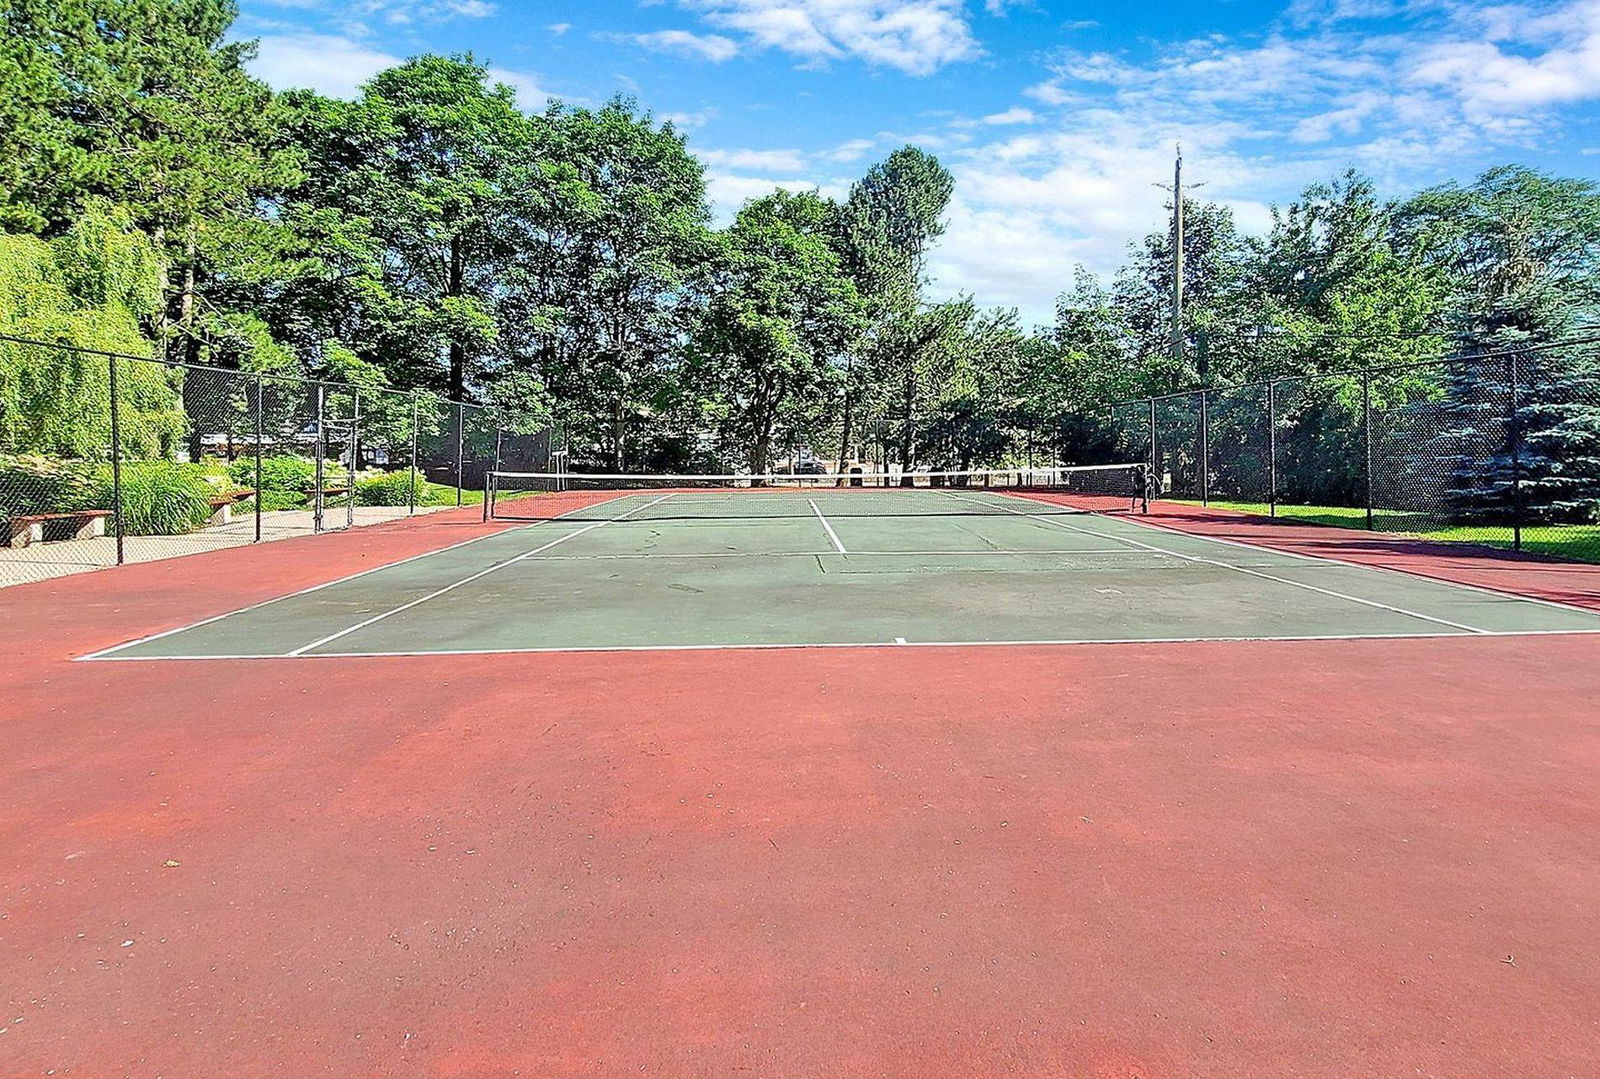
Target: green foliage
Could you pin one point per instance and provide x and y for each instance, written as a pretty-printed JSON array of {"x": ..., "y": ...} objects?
[
  {"x": 388, "y": 489},
  {"x": 159, "y": 498},
  {"x": 33, "y": 484},
  {"x": 272, "y": 501},
  {"x": 89, "y": 288},
  {"x": 288, "y": 473},
  {"x": 781, "y": 308}
]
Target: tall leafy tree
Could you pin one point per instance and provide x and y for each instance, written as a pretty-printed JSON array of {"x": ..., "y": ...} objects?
[
  {"x": 432, "y": 157},
  {"x": 892, "y": 217},
  {"x": 780, "y": 309},
  {"x": 601, "y": 287}
]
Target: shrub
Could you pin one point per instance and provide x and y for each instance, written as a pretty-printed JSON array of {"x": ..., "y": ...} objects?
[
  {"x": 34, "y": 484},
  {"x": 271, "y": 501},
  {"x": 159, "y": 498},
  {"x": 284, "y": 472},
  {"x": 390, "y": 489}
]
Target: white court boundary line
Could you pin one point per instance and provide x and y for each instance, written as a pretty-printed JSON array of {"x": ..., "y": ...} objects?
[
  {"x": 1445, "y": 546},
  {"x": 106, "y": 653},
  {"x": 1251, "y": 572},
  {"x": 1497, "y": 593},
  {"x": 834, "y": 536},
  {"x": 470, "y": 578},
  {"x": 898, "y": 643}
]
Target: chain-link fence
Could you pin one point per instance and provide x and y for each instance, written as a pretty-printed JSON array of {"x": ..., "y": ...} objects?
[
  {"x": 1499, "y": 448},
  {"x": 108, "y": 458}
]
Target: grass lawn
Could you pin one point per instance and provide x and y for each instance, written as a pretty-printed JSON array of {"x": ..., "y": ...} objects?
[{"x": 1581, "y": 543}]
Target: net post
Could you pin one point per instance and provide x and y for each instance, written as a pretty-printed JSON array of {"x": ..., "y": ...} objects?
[
  {"x": 1514, "y": 434},
  {"x": 116, "y": 456},
  {"x": 320, "y": 473},
  {"x": 1366, "y": 432},
  {"x": 1272, "y": 448},
  {"x": 260, "y": 434},
  {"x": 1205, "y": 450},
  {"x": 488, "y": 493}
]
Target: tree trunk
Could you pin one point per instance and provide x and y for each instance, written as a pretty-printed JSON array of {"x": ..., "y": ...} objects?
[
  {"x": 458, "y": 351},
  {"x": 618, "y": 430}
]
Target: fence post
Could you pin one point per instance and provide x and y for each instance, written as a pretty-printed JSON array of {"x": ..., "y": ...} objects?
[
  {"x": 461, "y": 420},
  {"x": 411, "y": 492},
  {"x": 116, "y": 457},
  {"x": 260, "y": 434},
  {"x": 1155, "y": 465},
  {"x": 355, "y": 450},
  {"x": 321, "y": 444},
  {"x": 1272, "y": 449},
  {"x": 1366, "y": 431},
  {"x": 1514, "y": 432},
  {"x": 1205, "y": 450}
]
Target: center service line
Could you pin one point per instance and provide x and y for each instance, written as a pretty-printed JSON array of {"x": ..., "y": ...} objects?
[{"x": 834, "y": 536}]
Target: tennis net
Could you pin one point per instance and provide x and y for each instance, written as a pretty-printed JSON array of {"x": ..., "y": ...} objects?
[{"x": 537, "y": 496}]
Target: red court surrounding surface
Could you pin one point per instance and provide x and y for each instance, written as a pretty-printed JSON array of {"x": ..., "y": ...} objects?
[{"x": 1328, "y": 858}]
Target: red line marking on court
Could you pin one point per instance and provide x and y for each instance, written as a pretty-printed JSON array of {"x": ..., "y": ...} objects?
[{"x": 1309, "y": 859}]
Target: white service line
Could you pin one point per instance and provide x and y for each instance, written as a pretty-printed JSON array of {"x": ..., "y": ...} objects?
[
  {"x": 834, "y": 536},
  {"x": 105, "y": 652},
  {"x": 468, "y": 580},
  {"x": 858, "y": 553},
  {"x": 1252, "y": 572},
  {"x": 1119, "y": 641}
]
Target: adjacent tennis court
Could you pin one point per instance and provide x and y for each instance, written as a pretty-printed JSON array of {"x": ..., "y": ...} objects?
[{"x": 812, "y": 565}]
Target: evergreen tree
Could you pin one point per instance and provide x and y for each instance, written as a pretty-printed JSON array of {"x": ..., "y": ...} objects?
[{"x": 1522, "y": 253}]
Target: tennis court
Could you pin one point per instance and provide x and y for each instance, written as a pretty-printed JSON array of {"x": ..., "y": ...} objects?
[
  {"x": 693, "y": 779},
  {"x": 798, "y": 566}
]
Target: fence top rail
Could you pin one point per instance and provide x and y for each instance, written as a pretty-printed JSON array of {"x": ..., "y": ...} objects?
[{"x": 1510, "y": 352}]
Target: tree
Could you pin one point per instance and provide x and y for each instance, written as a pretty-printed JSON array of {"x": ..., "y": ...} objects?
[
  {"x": 87, "y": 289},
  {"x": 780, "y": 309},
  {"x": 433, "y": 159},
  {"x": 1218, "y": 314},
  {"x": 1521, "y": 251},
  {"x": 601, "y": 289},
  {"x": 894, "y": 213}
]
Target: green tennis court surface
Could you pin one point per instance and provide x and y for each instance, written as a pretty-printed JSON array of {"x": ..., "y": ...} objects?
[{"x": 716, "y": 568}]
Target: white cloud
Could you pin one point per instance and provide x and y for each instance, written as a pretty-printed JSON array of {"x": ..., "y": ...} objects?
[
  {"x": 729, "y": 191},
  {"x": 559, "y": 28},
  {"x": 914, "y": 36},
  {"x": 329, "y": 64},
  {"x": 848, "y": 151},
  {"x": 1519, "y": 62},
  {"x": 689, "y": 121},
  {"x": 405, "y": 12},
  {"x": 1016, "y": 115},
  {"x": 756, "y": 160},
  {"x": 530, "y": 96},
  {"x": 713, "y": 47}
]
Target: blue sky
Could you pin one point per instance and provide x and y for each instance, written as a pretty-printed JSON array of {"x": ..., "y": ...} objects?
[{"x": 1057, "y": 119}]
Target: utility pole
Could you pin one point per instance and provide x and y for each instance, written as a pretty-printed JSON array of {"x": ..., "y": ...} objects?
[
  {"x": 1177, "y": 258},
  {"x": 1177, "y": 262}
]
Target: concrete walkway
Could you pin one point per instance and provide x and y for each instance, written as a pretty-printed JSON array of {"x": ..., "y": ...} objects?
[{"x": 42, "y": 561}]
